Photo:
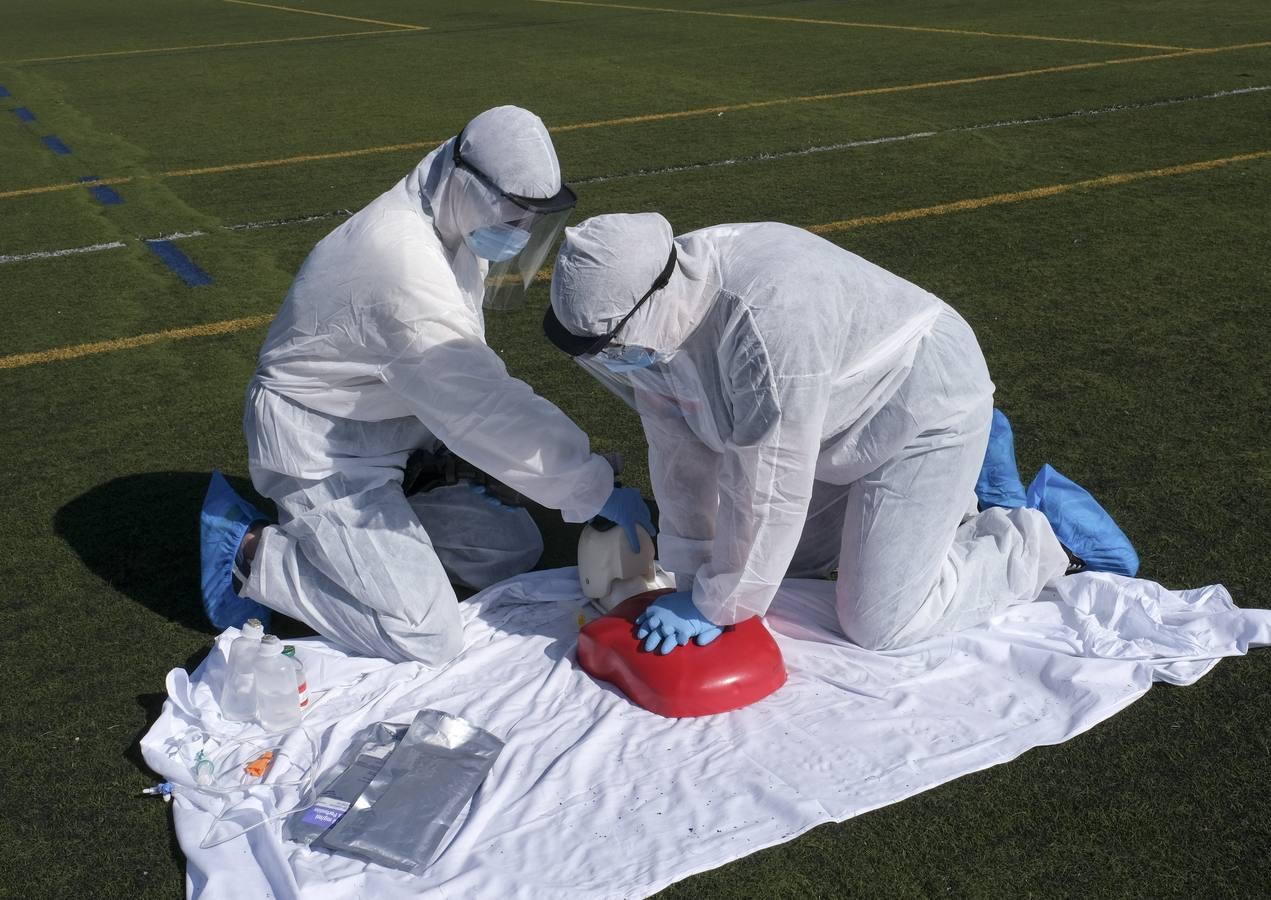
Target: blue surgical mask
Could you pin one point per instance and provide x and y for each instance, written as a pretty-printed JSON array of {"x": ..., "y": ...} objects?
[
  {"x": 498, "y": 243},
  {"x": 626, "y": 359}
]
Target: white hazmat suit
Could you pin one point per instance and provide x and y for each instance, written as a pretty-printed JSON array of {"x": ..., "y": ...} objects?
[
  {"x": 805, "y": 410},
  {"x": 379, "y": 349}
]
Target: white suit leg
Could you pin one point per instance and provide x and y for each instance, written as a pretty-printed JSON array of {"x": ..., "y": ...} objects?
[
  {"x": 351, "y": 560},
  {"x": 911, "y": 564},
  {"x": 479, "y": 542},
  {"x": 911, "y": 568}
]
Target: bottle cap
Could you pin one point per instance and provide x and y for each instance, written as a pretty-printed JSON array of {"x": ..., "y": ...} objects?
[
  {"x": 288, "y": 650},
  {"x": 270, "y": 646},
  {"x": 253, "y": 629}
]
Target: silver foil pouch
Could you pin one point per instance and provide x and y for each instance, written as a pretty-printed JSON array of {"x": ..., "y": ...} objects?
[
  {"x": 340, "y": 787},
  {"x": 405, "y": 812}
]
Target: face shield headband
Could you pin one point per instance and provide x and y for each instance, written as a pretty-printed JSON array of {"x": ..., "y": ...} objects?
[
  {"x": 508, "y": 280},
  {"x": 564, "y": 200},
  {"x": 589, "y": 345}
]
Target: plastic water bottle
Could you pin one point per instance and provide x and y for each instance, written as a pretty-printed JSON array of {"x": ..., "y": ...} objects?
[
  {"x": 302, "y": 683},
  {"x": 277, "y": 703},
  {"x": 238, "y": 695}
]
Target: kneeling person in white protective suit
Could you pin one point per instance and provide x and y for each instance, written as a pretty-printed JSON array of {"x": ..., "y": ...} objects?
[
  {"x": 805, "y": 410},
  {"x": 379, "y": 349}
]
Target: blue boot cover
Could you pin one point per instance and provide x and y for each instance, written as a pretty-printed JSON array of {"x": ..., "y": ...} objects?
[
  {"x": 225, "y": 519},
  {"x": 1081, "y": 524},
  {"x": 999, "y": 483}
]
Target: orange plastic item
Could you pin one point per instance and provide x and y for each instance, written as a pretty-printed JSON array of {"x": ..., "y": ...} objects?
[
  {"x": 738, "y": 668},
  {"x": 257, "y": 766}
]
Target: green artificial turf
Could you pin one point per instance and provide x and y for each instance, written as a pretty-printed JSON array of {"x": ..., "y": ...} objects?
[{"x": 1125, "y": 326}]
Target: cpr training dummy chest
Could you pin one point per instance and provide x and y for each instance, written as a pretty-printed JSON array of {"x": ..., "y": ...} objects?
[{"x": 740, "y": 667}]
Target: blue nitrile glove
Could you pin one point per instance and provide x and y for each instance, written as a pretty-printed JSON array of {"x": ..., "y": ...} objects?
[
  {"x": 627, "y": 508},
  {"x": 480, "y": 491},
  {"x": 671, "y": 620}
]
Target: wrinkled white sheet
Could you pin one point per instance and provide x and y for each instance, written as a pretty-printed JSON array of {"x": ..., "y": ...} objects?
[{"x": 593, "y": 797}]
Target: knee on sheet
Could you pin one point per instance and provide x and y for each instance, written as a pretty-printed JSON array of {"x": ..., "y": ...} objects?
[
  {"x": 433, "y": 638},
  {"x": 881, "y": 615},
  {"x": 870, "y": 637}
]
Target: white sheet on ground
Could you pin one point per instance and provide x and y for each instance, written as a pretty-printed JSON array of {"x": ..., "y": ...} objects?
[{"x": 594, "y": 797}]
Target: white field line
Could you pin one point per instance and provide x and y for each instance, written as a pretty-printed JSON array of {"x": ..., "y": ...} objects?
[
  {"x": 69, "y": 251},
  {"x": 693, "y": 167},
  {"x": 918, "y": 135},
  {"x": 174, "y": 236},
  {"x": 294, "y": 220}
]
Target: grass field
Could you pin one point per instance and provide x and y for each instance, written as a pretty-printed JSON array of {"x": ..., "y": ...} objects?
[{"x": 1087, "y": 181}]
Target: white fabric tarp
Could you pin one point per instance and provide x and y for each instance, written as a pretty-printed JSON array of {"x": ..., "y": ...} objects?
[{"x": 594, "y": 797}]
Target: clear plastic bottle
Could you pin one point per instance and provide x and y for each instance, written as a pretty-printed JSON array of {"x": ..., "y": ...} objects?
[
  {"x": 238, "y": 695},
  {"x": 302, "y": 683},
  {"x": 277, "y": 703}
]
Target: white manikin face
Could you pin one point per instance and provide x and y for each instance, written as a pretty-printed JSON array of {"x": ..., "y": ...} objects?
[{"x": 605, "y": 560}]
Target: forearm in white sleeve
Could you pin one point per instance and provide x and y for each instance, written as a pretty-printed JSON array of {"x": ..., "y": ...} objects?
[
  {"x": 462, "y": 391},
  {"x": 764, "y": 491},
  {"x": 685, "y": 477}
]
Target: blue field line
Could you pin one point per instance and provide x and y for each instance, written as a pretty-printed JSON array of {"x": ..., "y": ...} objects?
[
  {"x": 54, "y": 143},
  {"x": 24, "y": 114},
  {"x": 4, "y": 91},
  {"x": 106, "y": 195},
  {"x": 178, "y": 262}
]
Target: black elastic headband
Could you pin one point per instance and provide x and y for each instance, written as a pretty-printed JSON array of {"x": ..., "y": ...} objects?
[
  {"x": 590, "y": 344},
  {"x": 565, "y": 198}
]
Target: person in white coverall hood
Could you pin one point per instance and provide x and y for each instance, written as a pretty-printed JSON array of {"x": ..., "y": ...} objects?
[
  {"x": 805, "y": 411},
  {"x": 379, "y": 349}
]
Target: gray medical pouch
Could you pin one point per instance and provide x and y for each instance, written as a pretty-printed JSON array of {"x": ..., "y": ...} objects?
[
  {"x": 344, "y": 783},
  {"x": 406, "y": 811}
]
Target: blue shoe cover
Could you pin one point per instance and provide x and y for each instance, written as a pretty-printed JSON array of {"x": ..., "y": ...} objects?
[
  {"x": 999, "y": 483},
  {"x": 1081, "y": 524},
  {"x": 225, "y": 519}
]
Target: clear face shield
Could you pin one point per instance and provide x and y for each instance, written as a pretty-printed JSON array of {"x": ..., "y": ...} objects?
[{"x": 524, "y": 231}]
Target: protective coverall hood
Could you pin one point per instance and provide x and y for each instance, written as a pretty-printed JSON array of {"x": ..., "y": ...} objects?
[
  {"x": 607, "y": 263},
  {"x": 513, "y": 147},
  {"x": 513, "y": 151}
]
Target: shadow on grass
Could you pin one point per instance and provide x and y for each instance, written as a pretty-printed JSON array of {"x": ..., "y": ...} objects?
[
  {"x": 140, "y": 534},
  {"x": 152, "y": 705}
]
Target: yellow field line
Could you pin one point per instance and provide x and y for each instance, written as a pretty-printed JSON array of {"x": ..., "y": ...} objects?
[
  {"x": 294, "y": 160},
  {"x": 848, "y": 24},
  {"x": 654, "y": 117},
  {"x": 904, "y": 215},
  {"x": 944, "y": 209},
  {"x": 311, "y": 12},
  {"x": 900, "y": 88},
  {"x": 289, "y": 40},
  {"x": 50, "y": 188},
  {"x": 174, "y": 334},
  {"x": 866, "y": 92}
]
